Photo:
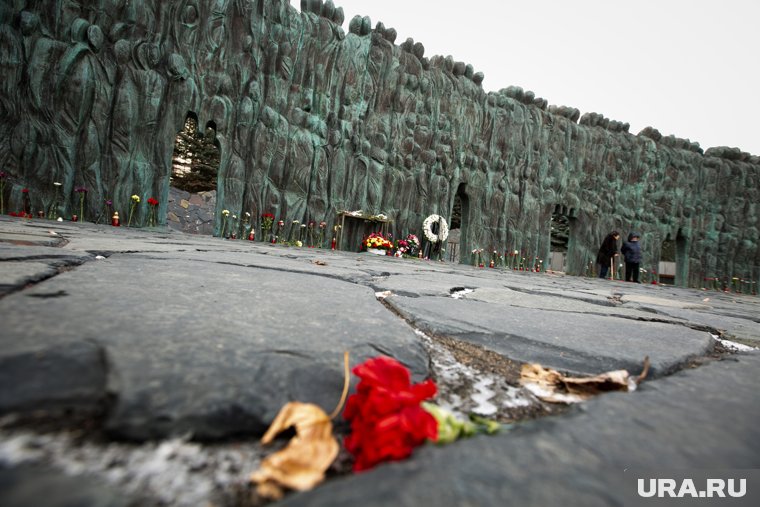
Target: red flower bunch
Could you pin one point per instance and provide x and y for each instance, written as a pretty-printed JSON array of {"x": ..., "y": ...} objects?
[
  {"x": 153, "y": 202},
  {"x": 266, "y": 221},
  {"x": 24, "y": 190},
  {"x": 20, "y": 214},
  {"x": 387, "y": 422}
]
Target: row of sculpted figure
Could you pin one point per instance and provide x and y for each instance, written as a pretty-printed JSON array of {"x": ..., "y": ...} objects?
[{"x": 312, "y": 118}]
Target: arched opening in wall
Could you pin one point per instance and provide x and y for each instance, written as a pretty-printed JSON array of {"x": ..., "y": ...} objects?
[
  {"x": 666, "y": 270},
  {"x": 682, "y": 260},
  {"x": 560, "y": 238},
  {"x": 193, "y": 180},
  {"x": 456, "y": 246}
]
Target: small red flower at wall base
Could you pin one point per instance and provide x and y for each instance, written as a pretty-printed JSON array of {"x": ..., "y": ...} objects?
[{"x": 387, "y": 422}]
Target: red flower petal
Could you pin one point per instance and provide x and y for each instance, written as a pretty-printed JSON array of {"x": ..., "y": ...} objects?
[{"x": 386, "y": 419}]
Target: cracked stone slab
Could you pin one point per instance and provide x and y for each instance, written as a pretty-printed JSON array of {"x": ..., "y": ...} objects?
[
  {"x": 509, "y": 297},
  {"x": 14, "y": 275},
  {"x": 206, "y": 348},
  {"x": 56, "y": 256},
  {"x": 40, "y": 485},
  {"x": 734, "y": 328},
  {"x": 658, "y": 301},
  {"x": 24, "y": 265},
  {"x": 574, "y": 342},
  {"x": 62, "y": 376},
  {"x": 23, "y": 234},
  {"x": 694, "y": 419}
]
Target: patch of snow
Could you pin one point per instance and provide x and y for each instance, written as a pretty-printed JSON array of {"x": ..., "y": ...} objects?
[
  {"x": 485, "y": 393},
  {"x": 461, "y": 293},
  {"x": 173, "y": 472},
  {"x": 738, "y": 347},
  {"x": 516, "y": 398},
  {"x": 482, "y": 395},
  {"x": 542, "y": 392}
]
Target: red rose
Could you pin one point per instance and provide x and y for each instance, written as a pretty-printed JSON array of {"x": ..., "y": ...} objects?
[
  {"x": 25, "y": 191},
  {"x": 153, "y": 202},
  {"x": 387, "y": 422}
]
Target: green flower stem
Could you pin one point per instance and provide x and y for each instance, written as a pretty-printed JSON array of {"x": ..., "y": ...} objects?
[{"x": 131, "y": 212}]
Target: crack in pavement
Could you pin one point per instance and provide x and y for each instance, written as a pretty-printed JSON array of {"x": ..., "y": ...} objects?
[{"x": 61, "y": 267}]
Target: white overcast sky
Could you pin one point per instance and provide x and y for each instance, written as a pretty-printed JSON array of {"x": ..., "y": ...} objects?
[{"x": 690, "y": 68}]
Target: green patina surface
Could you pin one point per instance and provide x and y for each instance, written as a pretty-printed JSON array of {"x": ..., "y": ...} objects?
[{"x": 312, "y": 120}]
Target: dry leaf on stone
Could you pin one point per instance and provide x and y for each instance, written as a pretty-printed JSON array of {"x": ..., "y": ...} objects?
[
  {"x": 301, "y": 465},
  {"x": 551, "y": 386},
  {"x": 319, "y": 263}
]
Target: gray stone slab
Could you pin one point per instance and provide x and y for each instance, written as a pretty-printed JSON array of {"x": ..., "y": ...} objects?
[
  {"x": 697, "y": 419},
  {"x": 62, "y": 376},
  {"x": 661, "y": 301},
  {"x": 29, "y": 233},
  {"x": 207, "y": 348},
  {"x": 580, "y": 343},
  {"x": 43, "y": 486},
  {"x": 539, "y": 300},
  {"x": 732, "y": 328},
  {"x": 14, "y": 274}
]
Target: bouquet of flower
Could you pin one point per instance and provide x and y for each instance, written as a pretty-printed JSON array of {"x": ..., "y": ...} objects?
[
  {"x": 245, "y": 232},
  {"x": 322, "y": 226},
  {"x": 376, "y": 240},
  {"x": 267, "y": 219},
  {"x": 153, "y": 203},
  {"x": 402, "y": 247},
  {"x": 135, "y": 201},
  {"x": 106, "y": 211},
  {"x": 414, "y": 244},
  {"x": 477, "y": 257},
  {"x": 225, "y": 214},
  {"x": 82, "y": 191},
  {"x": 310, "y": 234},
  {"x": 280, "y": 225}
]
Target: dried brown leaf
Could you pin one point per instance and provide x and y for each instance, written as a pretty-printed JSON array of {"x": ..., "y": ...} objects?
[
  {"x": 644, "y": 371},
  {"x": 301, "y": 465},
  {"x": 587, "y": 387},
  {"x": 537, "y": 374},
  {"x": 551, "y": 386}
]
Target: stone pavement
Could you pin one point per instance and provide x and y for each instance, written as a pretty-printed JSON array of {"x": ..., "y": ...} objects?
[{"x": 156, "y": 334}]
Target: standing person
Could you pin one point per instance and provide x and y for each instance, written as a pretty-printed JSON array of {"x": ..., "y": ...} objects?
[
  {"x": 631, "y": 250},
  {"x": 607, "y": 252}
]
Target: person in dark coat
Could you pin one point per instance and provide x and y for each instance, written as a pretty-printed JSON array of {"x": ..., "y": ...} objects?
[
  {"x": 607, "y": 252},
  {"x": 631, "y": 250}
]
